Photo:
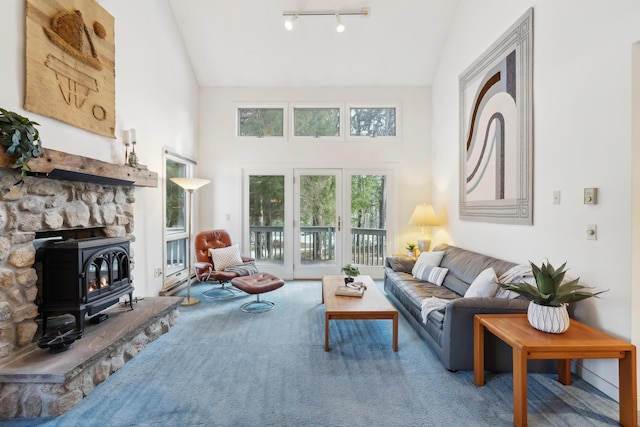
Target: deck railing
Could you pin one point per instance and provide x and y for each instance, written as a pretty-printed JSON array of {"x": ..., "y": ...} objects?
[{"x": 317, "y": 244}]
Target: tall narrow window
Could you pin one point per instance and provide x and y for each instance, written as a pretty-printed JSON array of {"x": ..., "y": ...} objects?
[
  {"x": 368, "y": 219},
  {"x": 176, "y": 214},
  {"x": 266, "y": 218}
]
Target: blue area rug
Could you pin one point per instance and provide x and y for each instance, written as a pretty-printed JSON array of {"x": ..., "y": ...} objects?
[{"x": 219, "y": 366}]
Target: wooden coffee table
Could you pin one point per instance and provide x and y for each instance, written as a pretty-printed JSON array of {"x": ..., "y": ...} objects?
[
  {"x": 578, "y": 342},
  {"x": 372, "y": 306}
]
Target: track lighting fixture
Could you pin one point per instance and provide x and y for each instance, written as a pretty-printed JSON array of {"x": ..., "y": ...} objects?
[{"x": 291, "y": 16}]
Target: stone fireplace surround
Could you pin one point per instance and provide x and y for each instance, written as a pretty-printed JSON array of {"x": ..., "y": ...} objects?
[
  {"x": 100, "y": 197},
  {"x": 43, "y": 204}
]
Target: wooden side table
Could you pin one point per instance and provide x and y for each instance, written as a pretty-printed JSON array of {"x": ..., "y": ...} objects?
[{"x": 578, "y": 342}]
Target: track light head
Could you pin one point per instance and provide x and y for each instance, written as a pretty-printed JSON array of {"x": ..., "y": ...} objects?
[
  {"x": 288, "y": 24},
  {"x": 339, "y": 25}
]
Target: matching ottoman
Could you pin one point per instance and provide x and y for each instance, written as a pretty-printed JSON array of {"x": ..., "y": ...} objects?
[{"x": 257, "y": 284}]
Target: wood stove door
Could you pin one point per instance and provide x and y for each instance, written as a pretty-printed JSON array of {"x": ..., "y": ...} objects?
[{"x": 106, "y": 272}]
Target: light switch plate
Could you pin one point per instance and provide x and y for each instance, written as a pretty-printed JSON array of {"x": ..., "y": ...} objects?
[
  {"x": 591, "y": 196},
  {"x": 592, "y": 232}
]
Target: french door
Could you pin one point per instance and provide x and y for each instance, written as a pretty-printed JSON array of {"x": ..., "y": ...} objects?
[
  {"x": 318, "y": 243},
  {"x": 305, "y": 223}
]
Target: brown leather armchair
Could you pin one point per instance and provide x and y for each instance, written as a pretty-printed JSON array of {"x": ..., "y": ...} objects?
[{"x": 205, "y": 270}]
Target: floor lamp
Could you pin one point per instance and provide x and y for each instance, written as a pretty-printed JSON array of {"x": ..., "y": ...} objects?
[
  {"x": 190, "y": 185},
  {"x": 424, "y": 216}
]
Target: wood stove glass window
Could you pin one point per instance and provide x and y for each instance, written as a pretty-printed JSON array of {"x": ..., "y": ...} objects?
[{"x": 106, "y": 271}]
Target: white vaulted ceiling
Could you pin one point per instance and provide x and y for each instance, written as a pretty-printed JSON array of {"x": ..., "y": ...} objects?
[{"x": 244, "y": 42}]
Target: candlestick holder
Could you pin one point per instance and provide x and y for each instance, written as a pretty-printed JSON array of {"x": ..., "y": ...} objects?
[
  {"x": 126, "y": 153},
  {"x": 133, "y": 157}
]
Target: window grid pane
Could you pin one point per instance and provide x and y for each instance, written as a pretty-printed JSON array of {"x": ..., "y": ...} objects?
[
  {"x": 176, "y": 203},
  {"x": 176, "y": 257}
]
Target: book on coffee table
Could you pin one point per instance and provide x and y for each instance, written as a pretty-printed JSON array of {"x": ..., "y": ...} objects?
[{"x": 349, "y": 291}]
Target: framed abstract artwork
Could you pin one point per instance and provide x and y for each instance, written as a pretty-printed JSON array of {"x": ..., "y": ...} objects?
[{"x": 496, "y": 130}]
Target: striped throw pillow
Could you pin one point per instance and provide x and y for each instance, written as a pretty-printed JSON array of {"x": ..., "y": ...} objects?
[{"x": 432, "y": 274}]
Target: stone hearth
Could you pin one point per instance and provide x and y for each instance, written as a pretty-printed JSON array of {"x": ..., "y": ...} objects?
[{"x": 38, "y": 383}]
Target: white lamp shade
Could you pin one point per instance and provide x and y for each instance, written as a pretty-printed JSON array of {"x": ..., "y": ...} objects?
[
  {"x": 190, "y": 184},
  {"x": 424, "y": 215}
]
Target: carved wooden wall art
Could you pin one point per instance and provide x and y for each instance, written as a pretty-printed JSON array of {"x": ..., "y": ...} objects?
[{"x": 70, "y": 63}]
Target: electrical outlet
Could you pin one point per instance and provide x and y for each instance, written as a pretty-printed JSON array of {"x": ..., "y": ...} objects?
[{"x": 157, "y": 272}]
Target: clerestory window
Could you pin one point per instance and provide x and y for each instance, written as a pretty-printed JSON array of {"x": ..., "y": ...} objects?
[
  {"x": 260, "y": 122},
  {"x": 316, "y": 122},
  {"x": 372, "y": 122}
]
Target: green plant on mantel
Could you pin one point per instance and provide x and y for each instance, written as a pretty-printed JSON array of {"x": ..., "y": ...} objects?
[
  {"x": 549, "y": 289},
  {"x": 20, "y": 138}
]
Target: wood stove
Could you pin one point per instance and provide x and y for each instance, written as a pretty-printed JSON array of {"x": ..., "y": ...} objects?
[{"x": 83, "y": 277}]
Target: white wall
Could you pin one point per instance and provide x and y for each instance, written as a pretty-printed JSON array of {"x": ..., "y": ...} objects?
[
  {"x": 582, "y": 138},
  {"x": 156, "y": 93},
  {"x": 225, "y": 156}
]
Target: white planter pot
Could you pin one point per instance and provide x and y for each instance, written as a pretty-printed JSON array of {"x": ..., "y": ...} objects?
[{"x": 547, "y": 318}]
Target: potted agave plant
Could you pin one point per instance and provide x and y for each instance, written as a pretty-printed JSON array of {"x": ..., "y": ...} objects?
[
  {"x": 20, "y": 138},
  {"x": 351, "y": 271},
  {"x": 411, "y": 249},
  {"x": 549, "y": 298}
]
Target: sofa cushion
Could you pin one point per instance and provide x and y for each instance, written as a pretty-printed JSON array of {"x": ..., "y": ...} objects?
[
  {"x": 464, "y": 266},
  {"x": 485, "y": 285},
  {"x": 401, "y": 263},
  {"x": 413, "y": 291}
]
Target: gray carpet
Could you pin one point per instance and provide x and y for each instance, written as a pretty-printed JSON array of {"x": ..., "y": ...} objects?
[{"x": 219, "y": 366}]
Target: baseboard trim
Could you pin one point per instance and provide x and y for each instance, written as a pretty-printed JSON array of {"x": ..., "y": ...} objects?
[
  {"x": 175, "y": 287},
  {"x": 597, "y": 381}
]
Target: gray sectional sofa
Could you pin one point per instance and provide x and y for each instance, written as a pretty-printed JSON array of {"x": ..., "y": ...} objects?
[{"x": 449, "y": 331}]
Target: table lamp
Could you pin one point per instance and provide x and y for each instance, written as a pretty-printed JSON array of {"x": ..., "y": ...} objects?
[{"x": 424, "y": 216}]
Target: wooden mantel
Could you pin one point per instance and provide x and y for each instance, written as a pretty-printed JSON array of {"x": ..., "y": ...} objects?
[{"x": 58, "y": 164}]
